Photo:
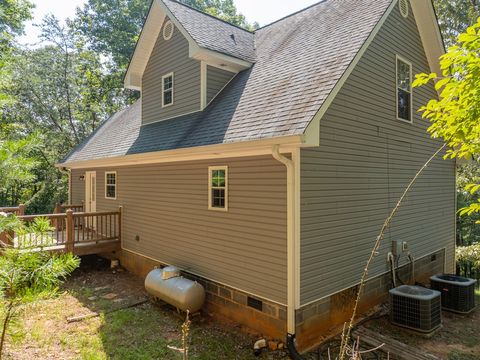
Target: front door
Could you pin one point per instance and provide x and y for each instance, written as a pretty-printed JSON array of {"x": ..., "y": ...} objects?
[
  {"x": 90, "y": 196},
  {"x": 91, "y": 191}
]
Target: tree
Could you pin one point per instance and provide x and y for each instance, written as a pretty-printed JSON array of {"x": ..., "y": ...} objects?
[
  {"x": 16, "y": 168},
  {"x": 467, "y": 231},
  {"x": 454, "y": 16},
  {"x": 112, "y": 27},
  {"x": 13, "y": 14},
  {"x": 455, "y": 115},
  {"x": 28, "y": 276},
  {"x": 62, "y": 92}
]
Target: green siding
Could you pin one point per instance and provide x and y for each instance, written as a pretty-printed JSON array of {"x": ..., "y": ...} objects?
[
  {"x": 216, "y": 80},
  {"x": 170, "y": 56},
  {"x": 166, "y": 206},
  {"x": 365, "y": 160}
]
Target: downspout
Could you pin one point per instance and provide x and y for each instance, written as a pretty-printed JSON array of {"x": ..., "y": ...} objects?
[{"x": 291, "y": 249}]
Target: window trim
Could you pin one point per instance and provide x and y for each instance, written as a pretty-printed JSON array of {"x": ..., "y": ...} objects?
[
  {"x": 401, "y": 58},
  {"x": 163, "y": 89},
  {"x": 210, "y": 187},
  {"x": 116, "y": 185}
]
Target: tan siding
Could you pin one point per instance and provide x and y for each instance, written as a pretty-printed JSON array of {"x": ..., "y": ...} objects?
[
  {"x": 170, "y": 56},
  {"x": 216, "y": 80},
  {"x": 78, "y": 186},
  {"x": 166, "y": 206},
  {"x": 365, "y": 160}
]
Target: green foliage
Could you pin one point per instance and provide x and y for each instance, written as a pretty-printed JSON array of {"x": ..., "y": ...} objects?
[
  {"x": 469, "y": 254},
  {"x": 17, "y": 163},
  {"x": 49, "y": 194},
  {"x": 26, "y": 275},
  {"x": 454, "y": 16},
  {"x": 455, "y": 115},
  {"x": 468, "y": 232},
  {"x": 112, "y": 27},
  {"x": 13, "y": 14},
  {"x": 29, "y": 275}
]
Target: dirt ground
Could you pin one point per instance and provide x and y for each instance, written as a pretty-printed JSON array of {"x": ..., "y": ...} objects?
[
  {"x": 147, "y": 331},
  {"x": 153, "y": 331},
  {"x": 458, "y": 339}
]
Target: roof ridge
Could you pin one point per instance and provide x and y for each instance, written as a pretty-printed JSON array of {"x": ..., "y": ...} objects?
[
  {"x": 292, "y": 14},
  {"x": 212, "y": 16}
]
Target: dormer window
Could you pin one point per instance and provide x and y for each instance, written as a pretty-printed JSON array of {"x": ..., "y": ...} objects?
[{"x": 167, "y": 89}]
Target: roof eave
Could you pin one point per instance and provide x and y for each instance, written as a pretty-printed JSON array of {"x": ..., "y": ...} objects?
[
  {"x": 216, "y": 151},
  {"x": 148, "y": 37}
]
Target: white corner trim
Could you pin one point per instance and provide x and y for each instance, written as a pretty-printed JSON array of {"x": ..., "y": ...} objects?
[
  {"x": 203, "y": 85},
  {"x": 429, "y": 32},
  {"x": 144, "y": 47}
]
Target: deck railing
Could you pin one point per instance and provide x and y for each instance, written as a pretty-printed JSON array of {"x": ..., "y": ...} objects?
[
  {"x": 62, "y": 208},
  {"x": 17, "y": 210},
  {"x": 71, "y": 230}
]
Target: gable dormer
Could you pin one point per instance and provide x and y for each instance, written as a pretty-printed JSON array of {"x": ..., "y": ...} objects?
[{"x": 183, "y": 59}]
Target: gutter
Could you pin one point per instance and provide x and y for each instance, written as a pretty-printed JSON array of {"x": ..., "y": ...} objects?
[{"x": 293, "y": 167}]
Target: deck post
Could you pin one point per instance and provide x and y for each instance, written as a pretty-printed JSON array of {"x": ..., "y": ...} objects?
[
  {"x": 57, "y": 210},
  {"x": 21, "y": 210},
  {"x": 70, "y": 241},
  {"x": 120, "y": 209}
]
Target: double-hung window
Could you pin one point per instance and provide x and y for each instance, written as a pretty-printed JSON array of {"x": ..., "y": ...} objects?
[
  {"x": 404, "y": 89},
  {"x": 111, "y": 185},
  {"x": 167, "y": 89},
  {"x": 218, "y": 188}
]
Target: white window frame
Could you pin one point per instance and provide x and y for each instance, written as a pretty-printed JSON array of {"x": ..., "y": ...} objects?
[
  {"x": 210, "y": 187},
  {"x": 163, "y": 89},
  {"x": 402, "y": 59},
  {"x": 116, "y": 185}
]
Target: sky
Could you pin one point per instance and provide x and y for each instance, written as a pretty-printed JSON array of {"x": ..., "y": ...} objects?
[{"x": 261, "y": 11}]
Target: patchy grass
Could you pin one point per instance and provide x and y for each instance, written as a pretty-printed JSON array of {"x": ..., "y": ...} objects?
[
  {"x": 456, "y": 340},
  {"x": 142, "y": 332}
]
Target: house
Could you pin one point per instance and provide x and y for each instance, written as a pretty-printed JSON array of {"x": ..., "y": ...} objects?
[{"x": 264, "y": 163}]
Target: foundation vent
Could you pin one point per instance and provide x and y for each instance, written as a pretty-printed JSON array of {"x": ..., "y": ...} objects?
[
  {"x": 255, "y": 303},
  {"x": 416, "y": 308}
]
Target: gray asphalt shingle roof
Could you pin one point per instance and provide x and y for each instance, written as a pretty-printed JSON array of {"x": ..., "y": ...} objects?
[
  {"x": 299, "y": 59},
  {"x": 214, "y": 34}
]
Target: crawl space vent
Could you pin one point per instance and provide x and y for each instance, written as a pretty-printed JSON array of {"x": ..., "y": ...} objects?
[
  {"x": 458, "y": 293},
  {"x": 416, "y": 308},
  {"x": 254, "y": 303},
  {"x": 403, "y": 5},
  {"x": 168, "y": 30}
]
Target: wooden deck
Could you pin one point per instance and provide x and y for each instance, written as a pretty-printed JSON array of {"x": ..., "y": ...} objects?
[{"x": 80, "y": 233}]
